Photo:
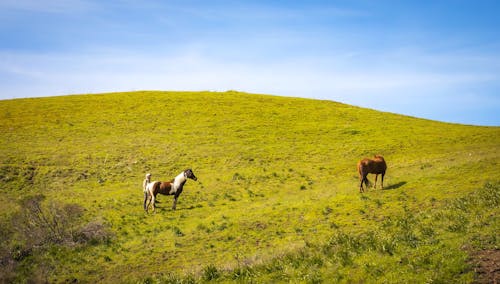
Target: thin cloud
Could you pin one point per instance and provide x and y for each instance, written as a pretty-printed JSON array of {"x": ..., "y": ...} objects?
[{"x": 194, "y": 70}]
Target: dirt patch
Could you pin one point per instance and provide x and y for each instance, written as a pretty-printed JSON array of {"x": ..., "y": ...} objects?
[{"x": 486, "y": 265}]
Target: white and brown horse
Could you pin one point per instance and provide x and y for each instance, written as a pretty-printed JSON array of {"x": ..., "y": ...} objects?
[
  {"x": 173, "y": 187},
  {"x": 368, "y": 166}
]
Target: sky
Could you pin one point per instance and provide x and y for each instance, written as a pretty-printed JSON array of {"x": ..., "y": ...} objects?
[{"x": 438, "y": 60}]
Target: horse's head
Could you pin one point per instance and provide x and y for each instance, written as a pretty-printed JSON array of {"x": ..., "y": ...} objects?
[{"x": 189, "y": 174}]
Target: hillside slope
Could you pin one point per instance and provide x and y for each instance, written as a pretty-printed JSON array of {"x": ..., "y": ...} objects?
[{"x": 276, "y": 176}]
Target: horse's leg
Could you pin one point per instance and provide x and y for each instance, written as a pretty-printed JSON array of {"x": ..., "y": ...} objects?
[
  {"x": 146, "y": 207},
  {"x": 174, "y": 205},
  {"x": 145, "y": 200},
  {"x": 383, "y": 174},
  {"x": 362, "y": 177},
  {"x": 150, "y": 198},
  {"x": 375, "y": 185},
  {"x": 153, "y": 197}
]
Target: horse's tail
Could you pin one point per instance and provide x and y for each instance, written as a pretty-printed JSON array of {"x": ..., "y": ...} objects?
[{"x": 359, "y": 168}]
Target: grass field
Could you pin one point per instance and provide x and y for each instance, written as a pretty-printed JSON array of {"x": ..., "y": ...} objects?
[{"x": 276, "y": 199}]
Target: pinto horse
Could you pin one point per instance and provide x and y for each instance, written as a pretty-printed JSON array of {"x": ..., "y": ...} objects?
[
  {"x": 368, "y": 166},
  {"x": 173, "y": 187}
]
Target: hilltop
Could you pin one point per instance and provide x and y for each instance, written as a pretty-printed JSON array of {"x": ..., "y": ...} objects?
[{"x": 277, "y": 196}]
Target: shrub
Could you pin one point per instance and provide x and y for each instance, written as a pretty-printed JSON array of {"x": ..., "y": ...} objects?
[
  {"x": 243, "y": 272},
  {"x": 211, "y": 272},
  {"x": 39, "y": 225},
  {"x": 94, "y": 232},
  {"x": 39, "y": 228}
]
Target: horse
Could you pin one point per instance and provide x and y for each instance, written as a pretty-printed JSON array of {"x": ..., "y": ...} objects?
[
  {"x": 368, "y": 166},
  {"x": 173, "y": 187}
]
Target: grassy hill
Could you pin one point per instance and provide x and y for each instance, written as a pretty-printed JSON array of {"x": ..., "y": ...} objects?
[{"x": 276, "y": 198}]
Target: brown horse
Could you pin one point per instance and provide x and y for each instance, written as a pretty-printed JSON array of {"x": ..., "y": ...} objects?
[
  {"x": 173, "y": 187},
  {"x": 368, "y": 166}
]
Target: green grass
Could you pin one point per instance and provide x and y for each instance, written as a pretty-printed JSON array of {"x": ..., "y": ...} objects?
[{"x": 277, "y": 197}]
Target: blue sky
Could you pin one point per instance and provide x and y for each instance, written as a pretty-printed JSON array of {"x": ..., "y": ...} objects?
[{"x": 432, "y": 59}]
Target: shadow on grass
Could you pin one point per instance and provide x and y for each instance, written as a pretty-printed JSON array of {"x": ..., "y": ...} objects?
[
  {"x": 179, "y": 208},
  {"x": 395, "y": 186}
]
